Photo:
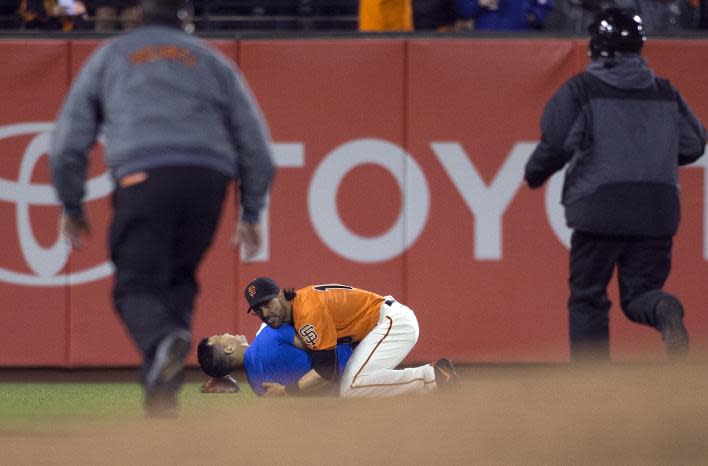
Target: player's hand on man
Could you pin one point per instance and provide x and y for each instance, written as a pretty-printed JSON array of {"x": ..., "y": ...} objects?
[
  {"x": 274, "y": 389},
  {"x": 225, "y": 384},
  {"x": 249, "y": 236},
  {"x": 75, "y": 230}
]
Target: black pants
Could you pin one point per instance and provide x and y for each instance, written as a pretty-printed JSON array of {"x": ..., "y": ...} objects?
[
  {"x": 161, "y": 228},
  {"x": 643, "y": 265}
]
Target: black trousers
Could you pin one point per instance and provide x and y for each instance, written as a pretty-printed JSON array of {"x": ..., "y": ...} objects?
[
  {"x": 643, "y": 265},
  {"x": 161, "y": 227}
]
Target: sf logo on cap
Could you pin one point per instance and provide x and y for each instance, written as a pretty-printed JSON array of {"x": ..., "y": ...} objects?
[{"x": 251, "y": 291}]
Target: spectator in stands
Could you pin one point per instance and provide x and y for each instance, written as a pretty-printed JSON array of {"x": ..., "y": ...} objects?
[
  {"x": 574, "y": 16},
  {"x": 443, "y": 15},
  {"x": 110, "y": 14},
  {"x": 665, "y": 16},
  {"x": 385, "y": 15},
  {"x": 64, "y": 15},
  {"x": 511, "y": 15},
  {"x": 658, "y": 16}
]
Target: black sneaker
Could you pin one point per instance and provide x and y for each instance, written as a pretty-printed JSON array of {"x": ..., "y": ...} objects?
[
  {"x": 669, "y": 321},
  {"x": 164, "y": 376},
  {"x": 446, "y": 377},
  {"x": 169, "y": 360}
]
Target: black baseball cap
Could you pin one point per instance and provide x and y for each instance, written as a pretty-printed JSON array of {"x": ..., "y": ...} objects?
[{"x": 260, "y": 290}]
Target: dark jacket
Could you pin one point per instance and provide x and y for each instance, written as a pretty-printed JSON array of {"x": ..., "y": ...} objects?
[{"x": 623, "y": 133}]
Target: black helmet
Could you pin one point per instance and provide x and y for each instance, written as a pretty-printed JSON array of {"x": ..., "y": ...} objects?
[{"x": 616, "y": 30}]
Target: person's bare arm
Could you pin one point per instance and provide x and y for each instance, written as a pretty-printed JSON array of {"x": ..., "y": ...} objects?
[
  {"x": 298, "y": 343},
  {"x": 309, "y": 384},
  {"x": 75, "y": 229},
  {"x": 248, "y": 236},
  {"x": 324, "y": 370}
]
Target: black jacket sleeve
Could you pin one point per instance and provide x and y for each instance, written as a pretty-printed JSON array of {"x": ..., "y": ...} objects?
[
  {"x": 324, "y": 362},
  {"x": 692, "y": 141},
  {"x": 551, "y": 154}
]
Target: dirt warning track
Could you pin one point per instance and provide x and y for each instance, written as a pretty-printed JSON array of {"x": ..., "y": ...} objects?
[{"x": 622, "y": 415}]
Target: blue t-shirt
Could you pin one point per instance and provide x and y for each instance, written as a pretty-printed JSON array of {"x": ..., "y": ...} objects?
[{"x": 271, "y": 357}]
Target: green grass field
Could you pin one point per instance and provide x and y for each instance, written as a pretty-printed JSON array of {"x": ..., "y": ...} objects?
[
  {"x": 58, "y": 401},
  {"x": 24, "y": 405}
]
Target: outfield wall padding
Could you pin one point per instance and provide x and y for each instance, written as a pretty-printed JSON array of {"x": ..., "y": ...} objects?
[{"x": 400, "y": 166}]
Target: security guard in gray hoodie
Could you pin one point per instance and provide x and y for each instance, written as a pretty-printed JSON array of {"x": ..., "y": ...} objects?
[
  {"x": 623, "y": 132},
  {"x": 179, "y": 124}
]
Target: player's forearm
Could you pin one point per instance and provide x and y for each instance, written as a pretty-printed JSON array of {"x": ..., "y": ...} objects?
[{"x": 309, "y": 383}]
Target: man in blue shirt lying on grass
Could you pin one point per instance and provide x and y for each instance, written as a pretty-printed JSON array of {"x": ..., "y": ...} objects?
[{"x": 275, "y": 356}]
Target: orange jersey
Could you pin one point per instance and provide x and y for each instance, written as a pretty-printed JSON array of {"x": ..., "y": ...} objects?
[
  {"x": 385, "y": 15},
  {"x": 323, "y": 314}
]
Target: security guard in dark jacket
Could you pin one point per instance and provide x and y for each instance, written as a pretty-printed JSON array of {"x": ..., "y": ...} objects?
[
  {"x": 180, "y": 125},
  {"x": 623, "y": 132}
]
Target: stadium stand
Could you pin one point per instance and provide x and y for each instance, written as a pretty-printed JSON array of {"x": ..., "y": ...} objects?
[
  {"x": 241, "y": 15},
  {"x": 8, "y": 14},
  {"x": 276, "y": 15}
]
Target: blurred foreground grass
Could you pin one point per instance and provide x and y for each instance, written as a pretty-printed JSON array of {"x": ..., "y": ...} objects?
[{"x": 34, "y": 404}]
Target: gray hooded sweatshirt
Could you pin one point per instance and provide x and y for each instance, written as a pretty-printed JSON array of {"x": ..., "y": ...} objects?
[
  {"x": 161, "y": 97},
  {"x": 623, "y": 133}
]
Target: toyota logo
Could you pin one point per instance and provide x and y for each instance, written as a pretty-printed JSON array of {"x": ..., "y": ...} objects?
[{"x": 45, "y": 263}]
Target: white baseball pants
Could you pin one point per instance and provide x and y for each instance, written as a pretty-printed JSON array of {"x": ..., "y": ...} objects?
[{"x": 370, "y": 371}]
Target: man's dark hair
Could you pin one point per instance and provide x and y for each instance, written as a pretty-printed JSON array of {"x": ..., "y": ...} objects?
[{"x": 212, "y": 359}]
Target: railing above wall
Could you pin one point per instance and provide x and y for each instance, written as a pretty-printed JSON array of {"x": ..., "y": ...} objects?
[{"x": 276, "y": 16}]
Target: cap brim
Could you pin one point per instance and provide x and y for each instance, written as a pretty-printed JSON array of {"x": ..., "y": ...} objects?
[{"x": 261, "y": 301}]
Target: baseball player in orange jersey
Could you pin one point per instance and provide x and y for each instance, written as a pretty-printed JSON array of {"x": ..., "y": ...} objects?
[{"x": 382, "y": 330}]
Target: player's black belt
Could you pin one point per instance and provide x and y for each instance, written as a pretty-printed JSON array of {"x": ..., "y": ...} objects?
[{"x": 389, "y": 302}]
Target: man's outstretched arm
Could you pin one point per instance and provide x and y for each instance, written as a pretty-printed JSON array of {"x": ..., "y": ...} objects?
[{"x": 324, "y": 371}]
